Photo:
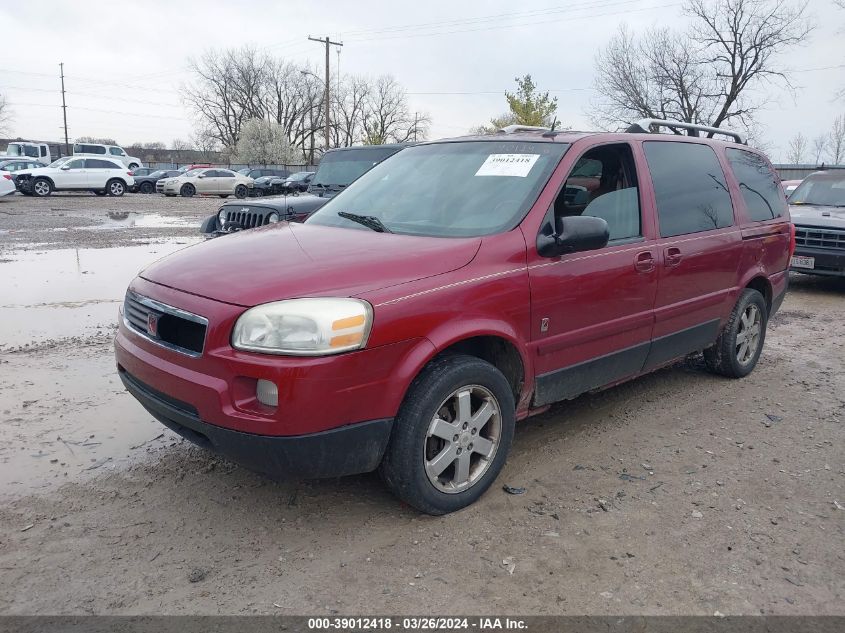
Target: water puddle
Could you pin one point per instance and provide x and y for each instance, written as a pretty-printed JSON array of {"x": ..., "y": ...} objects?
[{"x": 53, "y": 294}]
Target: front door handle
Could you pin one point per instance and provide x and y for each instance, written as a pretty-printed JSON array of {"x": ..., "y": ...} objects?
[
  {"x": 644, "y": 262},
  {"x": 672, "y": 256}
]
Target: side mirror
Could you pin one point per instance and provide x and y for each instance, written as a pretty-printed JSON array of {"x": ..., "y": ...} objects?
[
  {"x": 200, "y": 175},
  {"x": 573, "y": 234},
  {"x": 64, "y": 167}
]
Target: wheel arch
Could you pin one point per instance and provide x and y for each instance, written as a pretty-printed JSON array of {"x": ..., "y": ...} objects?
[
  {"x": 761, "y": 284},
  {"x": 493, "y": 342}
]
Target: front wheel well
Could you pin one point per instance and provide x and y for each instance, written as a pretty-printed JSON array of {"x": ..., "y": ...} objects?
[
  {"x": 497, "y": 351},
  {"x": 762, "y": 285}
]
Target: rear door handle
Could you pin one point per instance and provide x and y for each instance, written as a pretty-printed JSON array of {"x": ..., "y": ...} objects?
[
  {"x": 672, "y": 256},
  {"x": 644, "y": 262}
]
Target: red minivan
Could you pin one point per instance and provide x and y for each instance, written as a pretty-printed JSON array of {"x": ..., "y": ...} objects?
[{"x": 455, "y": 288}]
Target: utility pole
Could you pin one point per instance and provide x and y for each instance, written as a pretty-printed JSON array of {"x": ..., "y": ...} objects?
[
  {"x": 416, "y": 124},
  {"x": 327, "y": 42},
  {"x": 64, "y": 107}
]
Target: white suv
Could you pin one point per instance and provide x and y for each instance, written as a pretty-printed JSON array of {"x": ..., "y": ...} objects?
[
  {"x": 101, "y": 176},
  {"x": 112, "y": 151}
]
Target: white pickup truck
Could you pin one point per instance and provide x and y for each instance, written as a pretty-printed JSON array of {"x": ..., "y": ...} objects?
[{"x": 28, "y": 149}]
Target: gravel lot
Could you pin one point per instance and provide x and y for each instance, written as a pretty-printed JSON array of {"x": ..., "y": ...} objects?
[{"x": 678, "y": 493}]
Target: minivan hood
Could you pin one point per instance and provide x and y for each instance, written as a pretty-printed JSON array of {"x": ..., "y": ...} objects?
[
  {"x": 287, "y": 260},
  {"x": 817, "y": 215}
]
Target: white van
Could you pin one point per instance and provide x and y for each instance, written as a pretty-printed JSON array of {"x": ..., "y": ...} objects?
[
  {"x": 112, "y": 151},
  {"x": 29, "y": 149}
]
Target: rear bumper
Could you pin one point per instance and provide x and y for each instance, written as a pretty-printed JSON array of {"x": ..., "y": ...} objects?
[
  {"x": 348, "y": 450},
  {"x": 827, "y": 261}
]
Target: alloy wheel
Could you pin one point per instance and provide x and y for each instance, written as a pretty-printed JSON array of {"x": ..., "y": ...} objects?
[
  {"x": 748, "y": 334},
  {"x": 462, "y": 439}
]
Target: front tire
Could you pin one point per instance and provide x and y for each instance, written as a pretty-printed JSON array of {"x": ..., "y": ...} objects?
[
  {"x": 241, "y": 191},
  {"x": 42, "y": 187},
  {"x": 452, "y": 435},
  {"x": 738, "y": 348},
  {"x": 187, "y": 190},
  {"x": 115, "y": 188},
  {"x": 146, "y": 187}
]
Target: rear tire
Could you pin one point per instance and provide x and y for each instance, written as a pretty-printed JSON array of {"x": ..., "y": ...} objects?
[
  {"x": 187, "y": 190},
  {"x": 452, "y": 435},
  {"x": 146, "y": 187},
  {"x": 115, "y": 188},
  {"x": 42, "y": 187},
  {"x": 738, "y": 348}
]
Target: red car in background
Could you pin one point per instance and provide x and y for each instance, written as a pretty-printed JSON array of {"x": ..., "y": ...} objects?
[{"x": 453, "y": 289}]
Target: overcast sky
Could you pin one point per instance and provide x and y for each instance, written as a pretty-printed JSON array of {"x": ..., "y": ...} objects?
[{"x": 124, "y": 62}]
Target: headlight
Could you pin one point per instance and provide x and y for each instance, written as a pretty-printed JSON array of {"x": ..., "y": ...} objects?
[
  {"x": 273, "y": 218},
  {"x": 304, "y": 327},
  {"x": 221, "y": 216}
]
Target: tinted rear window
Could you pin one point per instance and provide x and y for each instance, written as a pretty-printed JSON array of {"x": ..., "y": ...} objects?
[
  {"x": 759, "y": 185},
  {"x": 689, "y": 188}
]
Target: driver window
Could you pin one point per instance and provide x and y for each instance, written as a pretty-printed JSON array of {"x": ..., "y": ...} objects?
[{"x": 603, "y": 184}]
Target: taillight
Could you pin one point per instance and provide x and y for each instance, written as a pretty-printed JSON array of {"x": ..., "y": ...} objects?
[
  {"x": 7, "y": 176},
  {"x": 791, "y": 240},
  {"x": 128, "y": 173}
]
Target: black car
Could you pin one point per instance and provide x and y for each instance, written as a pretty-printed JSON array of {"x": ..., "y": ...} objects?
[
  {"x": 257, "y": 173},
  {"x": 296, "y": 183},
  {"x": 337, "y": 169},
  {"x": 142, "y": 171},
  {"x": 147, "y": 184},
  {"x": 273, "y": 186}
]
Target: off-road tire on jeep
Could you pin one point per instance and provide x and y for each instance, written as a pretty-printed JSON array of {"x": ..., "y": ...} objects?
[
  {"x": 415, "y": 444},
  {"x": 187, "y": 190},
  {"x": 729, "y": 356}
]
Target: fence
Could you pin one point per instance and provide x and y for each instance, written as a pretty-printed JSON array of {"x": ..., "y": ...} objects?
[
  {"x": 234, "y": 167},
  {"x": 799, "y": 172}
]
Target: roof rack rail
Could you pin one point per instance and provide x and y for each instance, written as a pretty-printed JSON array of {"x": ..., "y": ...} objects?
[
  {"x": 513, "y": 129},
  {"x": 644, "y": 126}
]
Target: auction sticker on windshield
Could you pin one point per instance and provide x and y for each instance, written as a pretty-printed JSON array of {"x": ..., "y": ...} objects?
[{"x": 507, "y": 165}]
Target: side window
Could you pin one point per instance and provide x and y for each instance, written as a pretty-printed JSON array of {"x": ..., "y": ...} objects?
[
  {"x": 76, "y": 164},
  {"x": 211, "y": 173},
  {"x": 222, "y": 173},
  {"x": 759, "y": 185},
  {"x": 689, "y": 188},
  {"x": 43, "y": 151},
  {"x": 603, "y": 184}
]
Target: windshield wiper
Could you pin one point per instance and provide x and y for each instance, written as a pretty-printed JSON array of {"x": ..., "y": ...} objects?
[{"x": 370, "y": 221}]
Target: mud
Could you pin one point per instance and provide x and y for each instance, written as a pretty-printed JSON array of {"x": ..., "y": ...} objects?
[{"x": 678, "y": 493}]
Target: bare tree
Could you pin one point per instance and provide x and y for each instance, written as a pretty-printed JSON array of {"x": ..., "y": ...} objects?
[
  {"x": 206, "y": 143},
  {"x": 704, "y": 75},
  {"x": 180, "y": 145},
  {"x": 819, "y": 146},
  {"x": 386, "y": 115},
  {"x": 836, "y": 143},
  {"x": 795, "y": 149},
  {"x": 5, "y": 114},
  {"x": 350, "y": 102}
]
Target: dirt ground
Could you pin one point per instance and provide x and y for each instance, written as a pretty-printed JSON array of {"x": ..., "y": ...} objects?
[{"x": 678, "y": 493}]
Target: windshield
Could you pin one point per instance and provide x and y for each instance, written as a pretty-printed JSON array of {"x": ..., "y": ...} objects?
[
  {"x": 60, "y": 161},
  {"x": 458, "y": 189},
  {"x": 17, "y": 149},
  {"x": 193, "y": 173},
  {"x": 300, "y": 175},
  {"x": 821, "y": 189},
  {"x": 244, "y": 171},
  {"x": 341, "y": 168},
  {"x": 158, "y": 174}
]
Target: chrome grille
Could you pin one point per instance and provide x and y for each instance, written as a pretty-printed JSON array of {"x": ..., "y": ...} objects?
[
  {"x": 165, "y": 325},
  {"x": 820, "y": 238}
]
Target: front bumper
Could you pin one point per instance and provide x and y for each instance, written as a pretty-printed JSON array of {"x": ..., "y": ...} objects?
[
  {"x": 351, "y": 449},
  {"x": 827, "y": 261}
]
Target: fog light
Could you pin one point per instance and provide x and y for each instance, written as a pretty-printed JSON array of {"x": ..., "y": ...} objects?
[{"x": 267, "y": 393}]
